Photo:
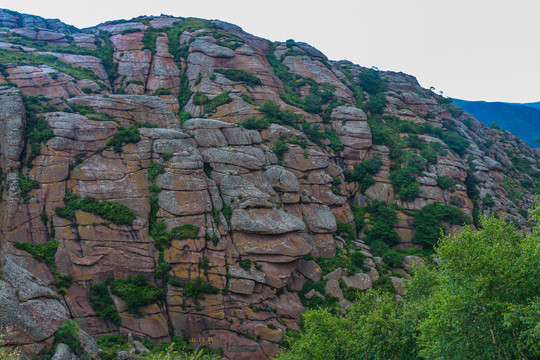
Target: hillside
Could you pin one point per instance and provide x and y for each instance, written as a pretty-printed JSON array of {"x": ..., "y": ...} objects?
[
  {"x": 180, "y": 178},
  {"x": 522, "y": 120}
]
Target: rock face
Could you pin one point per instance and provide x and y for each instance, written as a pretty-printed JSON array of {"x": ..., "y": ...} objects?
[{"x": 227, "y": 221}]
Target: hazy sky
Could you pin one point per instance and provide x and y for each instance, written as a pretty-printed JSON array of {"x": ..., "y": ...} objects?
[{"x": 470, "y": 49}]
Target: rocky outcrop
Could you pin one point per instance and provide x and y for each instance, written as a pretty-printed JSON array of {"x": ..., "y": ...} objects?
[{"x": 235, "y": 170}]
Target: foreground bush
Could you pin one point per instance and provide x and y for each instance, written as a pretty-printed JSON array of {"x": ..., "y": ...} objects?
[{"x": 480, "y": 301}]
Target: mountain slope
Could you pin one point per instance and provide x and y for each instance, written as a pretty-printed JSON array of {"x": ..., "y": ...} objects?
[
  {"x": 178, "y": 177},
  {"x": 522, "y": 120}
]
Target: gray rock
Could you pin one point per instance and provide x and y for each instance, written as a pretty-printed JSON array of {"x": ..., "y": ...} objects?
[
  {"x": 348, "y": 113},
  {"x": 334, "y": 275},
  {"x": 310, "y": 270},
  {"x": 281, "y": 179},
  {"x": 205, "y": 45},
  {"x": 319, "y": 218},
  {"x": 265, "y": 221},
  {"x": 63, "y": 352},
  {"x": 12, "y": 123},
  {"x": 124, "y": 355},
  {"x": 332, "y": 288},
  {"x": 358, "y": 281}
]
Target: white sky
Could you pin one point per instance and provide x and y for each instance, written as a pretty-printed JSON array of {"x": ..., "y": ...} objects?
[{"x": 470, "y": 49}]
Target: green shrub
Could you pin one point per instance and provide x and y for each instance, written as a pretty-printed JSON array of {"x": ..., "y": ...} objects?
[
  {"x": 26, "y": 185},
  {"x": 245, "y": 264},
  {"x": 41, "y": 252},
  {"x": 216, "y": 102},
  {"x": 381, "y": 220},
  {"x": 455, "y": 142},
  {"x": 363, "y": 173},
  {"x": 240, "y": 76},
  {"x": 161, "y": 91},
  {"x": 392, "y": 258},
  {"x": 371, "y": 82},
  {"x": 280, "y": 148},
  {"x": 445, "y": 182},
  {"x": 154, "y": 170},
  {"x": 68, "y": 333},
  {"x": 335, "y": 143},
  {"x": 130, "y": 31},
  {"x": 428, "y": 222},
  {"x": 110, "y": 210},
  {"x": 200, "y": 98},
  {"x": 186, "y": 231},
  {"x": 124, "y": 136},
  {"x": 255, "y": 124},
  {"x": 195, "y": 288},
  {"x": 136, "y": 292},
  {"x": 149, "y": 39},
  {"x": 103, "y": 304},
  {"x": 346, "y": 231}
]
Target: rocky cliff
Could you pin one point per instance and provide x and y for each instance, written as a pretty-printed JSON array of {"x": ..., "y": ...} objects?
[{"x": 172, "y": 176}]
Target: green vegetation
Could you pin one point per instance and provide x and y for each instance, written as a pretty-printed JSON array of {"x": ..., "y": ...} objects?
[
  {"x": 37, "y": 129},
  {"x": 149, "y": 39},
  {"x": 195, "y": 288},
  {"x": 479, "y": 301},
  {"x": 210, "y": 105},
  {"x": 40, "y": 252},
  {"x": 379, "y": 228},
  {"x": 240, "y": 76},
  {"x": 46, "y": 252},
  {"x": 349, "y": 258},
  {"x": 245, "y": 264},
  {"x": 445, "y": 182},
  {"x": 404, "y": 179},
  {"x": 161, "y": 92},
  {"x": 135, "y": 291},
  {"x": 35, "y": 59},
  {"x": 129, "y": 135},
  {"x": 363, "y": 173},
  {"x": 68, "y": 333},
  {"x": 110, "y": 210},
  {"x": 26, "y": 185},
  {"x": 427, "y": 222},
  {"x": 103, "y": 304},
  {"x": 280, "y": 147}
]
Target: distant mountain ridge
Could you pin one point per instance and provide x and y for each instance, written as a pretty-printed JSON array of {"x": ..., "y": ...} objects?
[{"x": 522, "y": 120}]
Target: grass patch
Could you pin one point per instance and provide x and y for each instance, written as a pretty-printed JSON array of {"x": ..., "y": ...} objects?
[{"x": 110, "y": 210}]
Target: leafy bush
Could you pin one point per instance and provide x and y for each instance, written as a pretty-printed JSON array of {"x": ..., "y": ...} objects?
[
  {"x": 149, "y": 39},
  {"x": 455, "y": 142},
  {"x": 379, "y": 227},
  {"x": 68, "y": 333},
  {"x": 154, "y": 170},
  {"x": 371, "y": 82},
  {"x": 346, "y": 231},
  {"x": 195, "y": 288},
  {"x": 427, "y": 222},
  {"x": 216, "y": 102},
  {"x": 26, "y": 185},
  {"x": 240, "y": 76},
  {"x": 186, "y": 231},
  {"x": 136, "y": 292},
  {"x": 110, "y": 210},
  {"x": 124, "y": 136},
  {"x": 445, "y": 182},
  {"x": 40, "y": 252},
  {"x": 392, "y": 258},
  {"x": 103, "y": 304},
  {"x": 255, "y": 124},
  {"x": 161, "y": 91},
  {"x": 280, "y": 148},
  {"x": 363, "y": 173},
  {"x": 245, "y": 264}
]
